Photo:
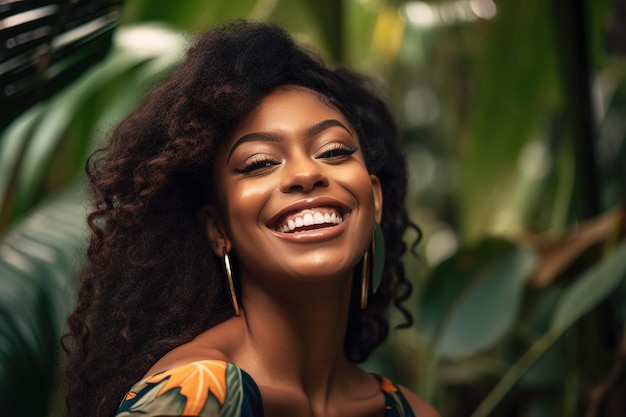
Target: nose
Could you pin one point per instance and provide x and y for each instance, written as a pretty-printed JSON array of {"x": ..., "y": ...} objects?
[{"x": 302, "y": 174}]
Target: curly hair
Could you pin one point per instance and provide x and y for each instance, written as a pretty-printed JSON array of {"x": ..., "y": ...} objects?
[{"x": 151, "y": 281}]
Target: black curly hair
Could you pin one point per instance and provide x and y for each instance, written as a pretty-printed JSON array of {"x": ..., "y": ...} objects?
[{"x": 148, "y": 284}]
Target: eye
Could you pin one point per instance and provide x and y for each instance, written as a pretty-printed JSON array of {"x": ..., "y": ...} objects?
[
  {"x": 337, "y": 151},
  {"x": 256, "y": 164}
]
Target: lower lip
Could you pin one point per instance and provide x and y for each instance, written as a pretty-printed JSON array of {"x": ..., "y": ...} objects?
[{"x": 315, "y": 235}]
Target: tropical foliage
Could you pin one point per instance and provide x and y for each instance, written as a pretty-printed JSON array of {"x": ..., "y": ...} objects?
[{"x": 512, "y": 119}]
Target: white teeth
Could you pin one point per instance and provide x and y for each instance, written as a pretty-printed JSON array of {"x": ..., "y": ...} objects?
[{"x": 308, "y": 220}]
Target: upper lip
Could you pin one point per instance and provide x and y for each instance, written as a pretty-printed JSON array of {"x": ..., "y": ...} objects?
[{"x": 309, "y": 203}]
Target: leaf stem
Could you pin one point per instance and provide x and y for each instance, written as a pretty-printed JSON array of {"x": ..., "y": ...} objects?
[{"x": 514, "y": 373}]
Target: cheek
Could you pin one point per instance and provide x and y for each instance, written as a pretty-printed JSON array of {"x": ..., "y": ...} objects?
[
  {"x": 361, "y": 184},
  {"x": 245, "y": 202}
]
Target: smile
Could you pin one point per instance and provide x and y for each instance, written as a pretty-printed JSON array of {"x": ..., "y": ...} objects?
[{"x": 310, "y": 219}]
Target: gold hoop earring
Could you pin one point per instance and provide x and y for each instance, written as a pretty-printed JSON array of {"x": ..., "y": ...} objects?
[
  {"x": 373, "y": 272},
  {"x": 365, "y": 280},
  {"x": 231, "y": 284}
]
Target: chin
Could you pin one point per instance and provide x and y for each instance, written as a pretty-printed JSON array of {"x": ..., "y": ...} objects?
[{"x": 321, "y": 272}]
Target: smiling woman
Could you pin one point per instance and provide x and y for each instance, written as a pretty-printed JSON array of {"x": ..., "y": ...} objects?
[{"x": 237, "y": 214}]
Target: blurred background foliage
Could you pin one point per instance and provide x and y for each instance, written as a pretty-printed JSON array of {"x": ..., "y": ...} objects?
[{"x": 512, "y": 119}]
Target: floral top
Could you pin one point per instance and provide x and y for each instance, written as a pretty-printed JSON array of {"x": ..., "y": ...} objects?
[{"x": 212, "y": 388}]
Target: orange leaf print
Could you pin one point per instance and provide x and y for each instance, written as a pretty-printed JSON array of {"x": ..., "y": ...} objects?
[
  {"x": 130, "y": 395},
  {"x": 386, "y": 385},
  {"x": 195, "y": 380}
]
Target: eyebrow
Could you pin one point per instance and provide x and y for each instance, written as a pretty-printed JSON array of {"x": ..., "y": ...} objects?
[{"x": 314, "y": 130}]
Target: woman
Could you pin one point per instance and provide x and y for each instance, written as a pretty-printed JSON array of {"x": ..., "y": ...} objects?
[{"x": 246, "y": 244}]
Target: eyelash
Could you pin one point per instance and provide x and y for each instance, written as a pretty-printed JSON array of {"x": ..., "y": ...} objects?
[
  {"x": 256, "y": 163},
  {"x": 261, "y": 162},
  {"x": 337, "y": 150}
]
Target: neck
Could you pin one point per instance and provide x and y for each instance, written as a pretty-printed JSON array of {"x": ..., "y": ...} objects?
[{"x": 296, "y": 338}]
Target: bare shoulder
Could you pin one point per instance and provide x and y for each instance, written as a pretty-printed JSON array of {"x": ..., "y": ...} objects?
[
  {"x": 212, "y": 344},
  {"x": 184, "y": 355},
  {"x": 420, "y": 407}
]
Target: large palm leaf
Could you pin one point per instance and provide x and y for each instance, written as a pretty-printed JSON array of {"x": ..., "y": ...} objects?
[{"x": 36, "y": 258}]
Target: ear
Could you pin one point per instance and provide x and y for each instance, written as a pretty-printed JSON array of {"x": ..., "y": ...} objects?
[
  {"x": 210, "y": 216},
  {"x": 377, "y": 189}
]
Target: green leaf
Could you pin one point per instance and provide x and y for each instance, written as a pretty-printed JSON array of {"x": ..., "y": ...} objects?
[
  {"x": 50, "y": 130},
  {"x": 12, "y": 143},
  {"x": 493, "y": 193},
  {"x": 591, "y": 289},
  {"x": 473, "y": 298},
  {"x": 580, "y": 298},
  {"x": 37, "y": 258},
  {"x": 134, "y": 46}
]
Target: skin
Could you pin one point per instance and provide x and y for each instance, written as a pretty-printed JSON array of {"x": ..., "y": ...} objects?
[{"x": 295, "y": 154}]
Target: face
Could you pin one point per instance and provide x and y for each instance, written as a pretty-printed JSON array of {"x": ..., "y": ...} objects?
[{"x": 295, "y": 198}]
